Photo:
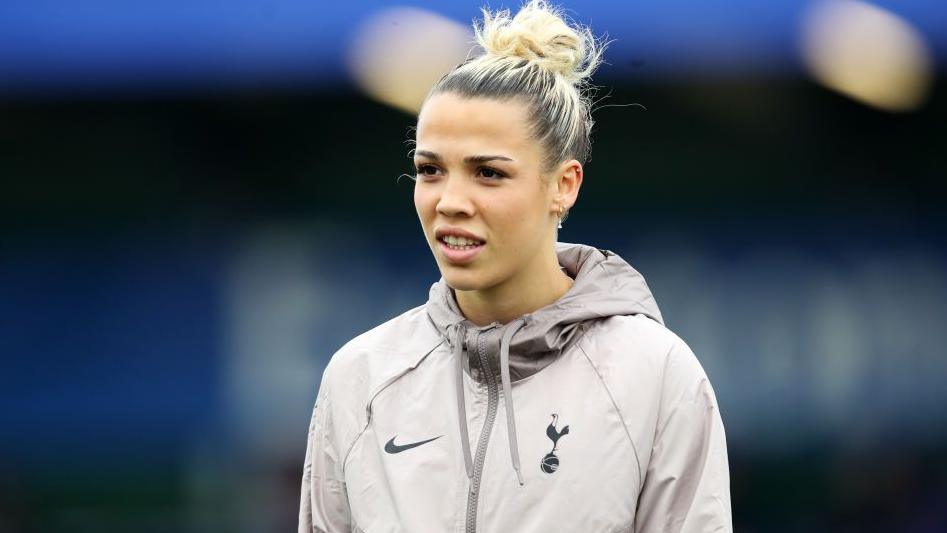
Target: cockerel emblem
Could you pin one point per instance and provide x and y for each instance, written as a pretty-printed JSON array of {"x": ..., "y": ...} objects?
[{"x": 550, "y": 462}]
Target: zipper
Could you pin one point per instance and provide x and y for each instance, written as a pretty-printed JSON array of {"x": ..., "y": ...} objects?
[{"x": 493, "y": 394}]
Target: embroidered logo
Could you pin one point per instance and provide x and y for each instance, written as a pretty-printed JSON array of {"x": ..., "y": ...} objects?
[
  {"x": 550, "y": 462},
  {"x": 391, "y": 447}
]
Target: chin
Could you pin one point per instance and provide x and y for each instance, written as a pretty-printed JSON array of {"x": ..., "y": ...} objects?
[{"x": 463, "y": 280}]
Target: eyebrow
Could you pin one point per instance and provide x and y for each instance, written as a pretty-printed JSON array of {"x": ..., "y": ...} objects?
[{"x": 468, "y": 159}]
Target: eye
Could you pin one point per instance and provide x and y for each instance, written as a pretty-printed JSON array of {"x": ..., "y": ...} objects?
[
  {"x": 491, "y": 173},
  {"x": 425, "y": 170}
]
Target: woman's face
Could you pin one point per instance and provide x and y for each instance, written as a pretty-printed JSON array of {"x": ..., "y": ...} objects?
[{"x": 479, "y": 172}]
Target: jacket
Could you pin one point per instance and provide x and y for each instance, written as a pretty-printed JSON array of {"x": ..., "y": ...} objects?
[{"x": 585, "y": 415}]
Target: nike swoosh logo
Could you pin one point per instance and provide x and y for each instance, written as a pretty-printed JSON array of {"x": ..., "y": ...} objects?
[{"x": 391, "y": 447}]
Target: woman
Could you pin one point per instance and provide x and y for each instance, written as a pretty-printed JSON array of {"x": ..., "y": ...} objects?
[{"x": 537, "y": 390}]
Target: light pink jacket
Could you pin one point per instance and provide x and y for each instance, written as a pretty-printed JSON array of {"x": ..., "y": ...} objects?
[{"x": 587, "y": 415}]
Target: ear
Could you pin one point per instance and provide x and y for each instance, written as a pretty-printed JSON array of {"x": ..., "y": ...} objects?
[{"x": 568, "y": 179}]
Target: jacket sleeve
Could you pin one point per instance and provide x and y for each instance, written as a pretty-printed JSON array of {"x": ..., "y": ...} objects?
[
  {"x": 323, "y": 506},
  {"x": 687, "y": 482}
]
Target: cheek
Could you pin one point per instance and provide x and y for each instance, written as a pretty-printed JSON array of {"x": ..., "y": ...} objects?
[
  {"x": 423, "y": 202},
  {"x": 519, "y": 220}
]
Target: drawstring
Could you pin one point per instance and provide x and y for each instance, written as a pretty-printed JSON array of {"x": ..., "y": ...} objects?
[
  {"x": 458, "y": 341},
  {"x": 458, "y": 347},
  {"x": 508, "y": 395}
]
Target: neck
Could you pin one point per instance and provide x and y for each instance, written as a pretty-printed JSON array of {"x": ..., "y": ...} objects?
[{"x": 524, "y": 293}]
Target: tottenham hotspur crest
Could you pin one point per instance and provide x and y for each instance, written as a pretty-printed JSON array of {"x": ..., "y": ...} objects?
[{"x": 550, "y": 462}]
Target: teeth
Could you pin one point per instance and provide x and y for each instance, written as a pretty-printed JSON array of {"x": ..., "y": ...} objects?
[{"x": 459, "y": 241}]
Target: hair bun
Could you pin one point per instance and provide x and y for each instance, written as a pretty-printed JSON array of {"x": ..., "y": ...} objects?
[{"x": 539, "y": 34}]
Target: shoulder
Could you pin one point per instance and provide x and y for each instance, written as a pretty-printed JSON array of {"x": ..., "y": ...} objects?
[
  {"x": 374, "y": 355},
  {"x": 648, "y": 370},
  {"x": 634, "y": 340},
  {"x": 361, "y": 367},
  {"x": 640, "y": 353},
  {"x": 390, "y": 336}
]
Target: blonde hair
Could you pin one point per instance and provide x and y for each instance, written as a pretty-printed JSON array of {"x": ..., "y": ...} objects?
[{"x": 538, "y": 57}]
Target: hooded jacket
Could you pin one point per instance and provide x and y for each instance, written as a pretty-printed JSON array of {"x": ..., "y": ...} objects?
[{"x": 586, "y": 415}]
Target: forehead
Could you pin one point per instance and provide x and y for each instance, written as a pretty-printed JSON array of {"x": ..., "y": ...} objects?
[{"x": 449, "y": 121}]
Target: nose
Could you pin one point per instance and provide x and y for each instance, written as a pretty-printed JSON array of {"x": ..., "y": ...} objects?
[{"x": 455, "y": 198}]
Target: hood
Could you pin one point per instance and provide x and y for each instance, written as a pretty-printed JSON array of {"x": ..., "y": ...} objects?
[{"x": 605, "y": 285}]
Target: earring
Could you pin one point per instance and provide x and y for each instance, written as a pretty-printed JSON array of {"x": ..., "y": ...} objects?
[{"x": 560, "y": 216}]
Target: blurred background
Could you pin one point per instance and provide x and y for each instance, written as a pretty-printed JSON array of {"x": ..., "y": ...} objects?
[{"x": 201, "y": 202}]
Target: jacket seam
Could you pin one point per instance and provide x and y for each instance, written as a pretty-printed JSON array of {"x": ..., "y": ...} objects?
[
  {"x": 667, "y": 360},
  {"x": 368, "y": 408},
  {"x": 621, "y": 417}
]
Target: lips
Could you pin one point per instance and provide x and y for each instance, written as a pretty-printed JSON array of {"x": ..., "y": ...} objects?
[
  {"x": 445, "y": 231},
  {"x": 457, "y": 245},
  {"x": 460, "y": 255}
]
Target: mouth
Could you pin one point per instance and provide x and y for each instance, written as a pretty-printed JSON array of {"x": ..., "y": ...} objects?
[
  {"x": 459, "y": 243},
  {"x": 459, "y": 250}
]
